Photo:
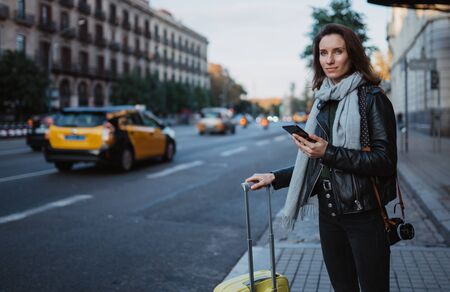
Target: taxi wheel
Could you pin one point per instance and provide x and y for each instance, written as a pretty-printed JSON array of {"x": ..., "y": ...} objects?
[
  {"x": 63, "y": 166},
  {"x": 201, "y": 133},
  {"x": 170, "y": 151},
  {"x": 126, "y": 160}
]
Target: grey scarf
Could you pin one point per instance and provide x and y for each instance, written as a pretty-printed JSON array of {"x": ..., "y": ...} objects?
[{"x": 346, "y": 133}]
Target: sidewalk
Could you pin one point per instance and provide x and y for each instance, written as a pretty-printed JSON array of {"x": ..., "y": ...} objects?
[{"x": 422, "y": 264}]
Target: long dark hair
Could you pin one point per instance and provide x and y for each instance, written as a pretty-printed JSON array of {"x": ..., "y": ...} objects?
[{"x": 355, "y": 50}]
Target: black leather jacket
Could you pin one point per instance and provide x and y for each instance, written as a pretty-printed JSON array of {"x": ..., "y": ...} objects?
[{"x": 350, "y": 170}]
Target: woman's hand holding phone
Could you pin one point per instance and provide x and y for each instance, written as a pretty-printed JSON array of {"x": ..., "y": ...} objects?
[{"x": 311, "y": 149}]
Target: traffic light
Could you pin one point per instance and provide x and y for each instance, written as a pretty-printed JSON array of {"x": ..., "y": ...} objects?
[{"x": 434, "y": 79}]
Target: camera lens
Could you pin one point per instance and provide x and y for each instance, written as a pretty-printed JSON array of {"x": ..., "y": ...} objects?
[{"x": 405, "y": 231}]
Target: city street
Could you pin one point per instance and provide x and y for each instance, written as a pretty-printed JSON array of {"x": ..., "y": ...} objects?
[{"x": 161, "y": 227}]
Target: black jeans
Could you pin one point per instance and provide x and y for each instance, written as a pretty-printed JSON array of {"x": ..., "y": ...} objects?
[{"x": 355, "y": 247}]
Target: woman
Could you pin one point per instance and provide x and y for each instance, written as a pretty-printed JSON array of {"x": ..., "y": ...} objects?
[{"x": 333, "y": 174}]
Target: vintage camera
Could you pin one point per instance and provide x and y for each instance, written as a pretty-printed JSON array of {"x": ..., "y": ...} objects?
[{"x": 399, "y": 230}]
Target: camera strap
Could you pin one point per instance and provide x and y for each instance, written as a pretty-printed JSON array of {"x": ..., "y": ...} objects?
[{"x": 365, "y": 146}]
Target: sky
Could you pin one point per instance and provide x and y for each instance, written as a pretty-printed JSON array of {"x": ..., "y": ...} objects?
[{"x": 259, "y": 41}]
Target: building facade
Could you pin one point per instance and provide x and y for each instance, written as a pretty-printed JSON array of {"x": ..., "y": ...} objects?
[
  {"x": 88, "y": 44},
  {"x": 420, "y": 35}
]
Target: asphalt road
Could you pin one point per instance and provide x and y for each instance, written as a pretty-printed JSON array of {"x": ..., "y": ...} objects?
[{"x": 175, "y": 226}]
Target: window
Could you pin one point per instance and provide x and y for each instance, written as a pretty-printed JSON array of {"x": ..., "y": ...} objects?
[
  {"x": 45, "y": 14},
  {"x": 147, "y": 26},
  {"x": 64, "y": 20},
  {"x": 66, "y": 57},
  {"x": 137, "y": 45},
  {"x": 126, "y": 67},
  {"x": 156, "y": 31},
  {"x": 112, "y": 12},
  {"x": 98, "y": 5},
  {"x": 135, "y": 119},
  {"x": 113, "y": 67},
  {"x": 84, "y": 61},
  {"x": 83, "y": 26},
  {"x": 99, "y": 32},
  {"x": 125, "y": 16},
  {"x": 21, "y": 8},
  {"x": 44, "y": 49},
  {"x": 149, "y": 122},
  {"x": 100, "y": 64},
  {"x": 125, "y": 41},
  {"x": 21, "y": 43}
]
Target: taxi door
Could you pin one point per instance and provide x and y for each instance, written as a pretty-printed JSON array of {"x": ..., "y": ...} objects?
[
  {"x": 139, "y": 136},
  {"x": 157, "y": 144}
]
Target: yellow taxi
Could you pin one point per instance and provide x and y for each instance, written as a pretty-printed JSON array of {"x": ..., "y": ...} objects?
[
  {"x": 117, "y": 135},
  {"x": 300, "y": 117}
]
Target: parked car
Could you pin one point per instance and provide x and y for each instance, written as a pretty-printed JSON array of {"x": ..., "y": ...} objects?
[
  {"x": 216, "y": 120},
  {"x": 38, "y": 126},
  {"x": 117, "y": 135}
]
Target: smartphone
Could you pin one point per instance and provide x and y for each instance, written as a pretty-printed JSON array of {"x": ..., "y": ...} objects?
[{"x": 294, "y": 129}]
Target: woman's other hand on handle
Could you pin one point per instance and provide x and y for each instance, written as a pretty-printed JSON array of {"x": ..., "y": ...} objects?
[{"x": 260, "y": 180}]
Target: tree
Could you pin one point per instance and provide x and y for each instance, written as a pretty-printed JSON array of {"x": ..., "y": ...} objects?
[
  {"x": 382, "y": 64},
  {"x": 340, "y": 12},
  {"x": 225, "y": 90},
  {"x": 131, "y": 89},
  {"x": 22, "y": 85}
]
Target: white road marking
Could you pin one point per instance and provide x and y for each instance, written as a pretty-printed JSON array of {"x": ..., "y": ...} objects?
[
  {"x": 27, "y": 175},
  {"x": 46, "y": 207},
  {"x": 262, "y": 143},
  {"x": 233, "y": 151},
  {"x": 174, "y": 169},
  {"x": 280, "y": 138}
]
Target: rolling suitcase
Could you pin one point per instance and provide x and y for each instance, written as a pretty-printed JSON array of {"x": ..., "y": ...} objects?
[{"x": 260, "y": 281}]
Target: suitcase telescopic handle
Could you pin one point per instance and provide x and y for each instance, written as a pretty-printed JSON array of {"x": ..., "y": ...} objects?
[{"x": 247, "y": 188}]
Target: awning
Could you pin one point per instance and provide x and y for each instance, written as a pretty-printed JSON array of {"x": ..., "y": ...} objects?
[{"x": 439, "y": 5}]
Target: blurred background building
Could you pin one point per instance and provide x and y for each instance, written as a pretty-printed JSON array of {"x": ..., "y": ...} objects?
[
  {"x": 419, "y": 41},
  {"x": 88, "y": 44}
]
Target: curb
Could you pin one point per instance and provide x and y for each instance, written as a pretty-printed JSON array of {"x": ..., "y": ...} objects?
[{"x": 427, "y": 197}]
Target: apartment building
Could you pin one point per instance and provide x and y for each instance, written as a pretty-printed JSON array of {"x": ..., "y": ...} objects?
[
  {"x": 420, "y": 35},
  {"x": 88, "y": 44}
]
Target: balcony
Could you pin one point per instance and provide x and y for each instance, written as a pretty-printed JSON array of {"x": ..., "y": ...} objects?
[
  {"x": 126, "y": 25},
  {"x": 85, "y": 37},
  {"x": 114, "y": 20},
  {"x": 137, "y": 30},
  {"x": 67, "y": 3},
  {"x": 84, "y": 8},
  {"x": 24, "y": 19},
  {"x": 166, "y": 41},
  {"x": 68, "y": 32},
  {"x": 4, "y": 12},
  {"x": 48, "y": 26},
  {"x": 127, "y": 50},
  {"x": 148, "y": 34},
  {"x": 100, "y": 42},
  {"x": 157, "y": 38},
  {"x": 138, "y": 53},
  {"x": 114, "y": 46},
  {"x": 100, "y": 14}
]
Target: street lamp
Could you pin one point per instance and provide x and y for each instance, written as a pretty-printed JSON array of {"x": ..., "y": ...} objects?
[{"x": 53, "y": 46}]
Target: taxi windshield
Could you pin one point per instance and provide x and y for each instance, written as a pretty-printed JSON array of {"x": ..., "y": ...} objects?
[
  {"x": 212, "y": 115},
  {"x": 80, "y": 119}
]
